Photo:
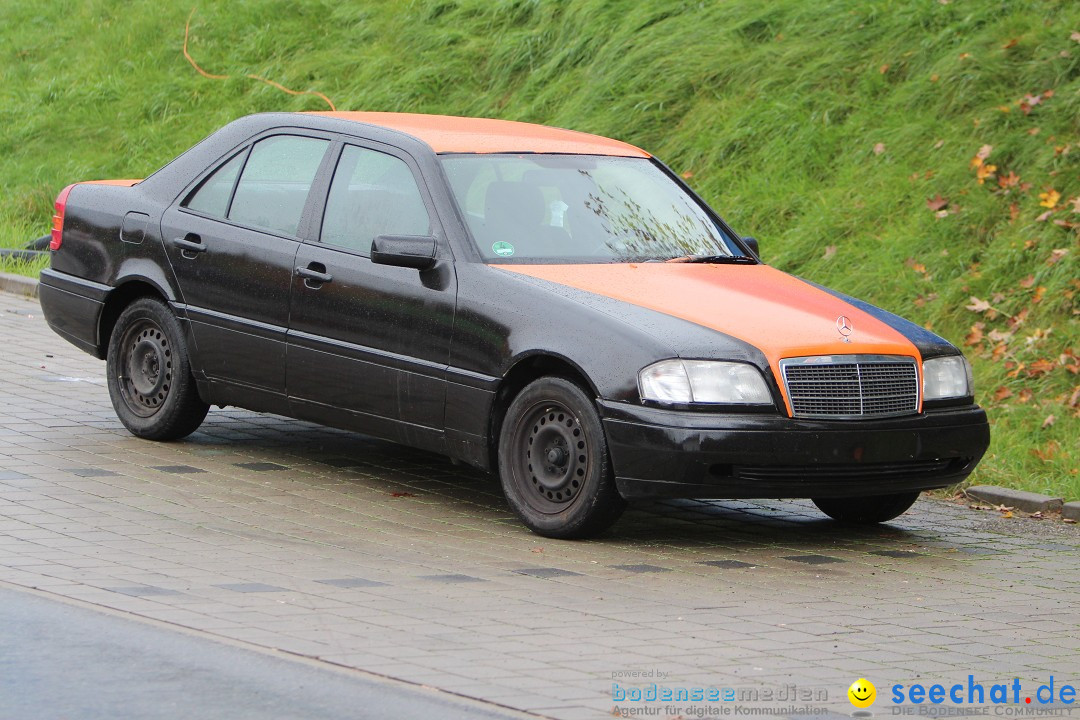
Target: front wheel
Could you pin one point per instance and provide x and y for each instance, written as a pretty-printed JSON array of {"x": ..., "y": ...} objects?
[
  {"x": 553, "y": 462},
  {"x": 867, "y": 510},
  {"x": 150, "y": 381}
]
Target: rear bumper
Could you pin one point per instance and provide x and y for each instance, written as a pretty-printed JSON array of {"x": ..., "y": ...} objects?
[
  {"x": 72, "y": 306},
  {"x": 666, "y": 453}
]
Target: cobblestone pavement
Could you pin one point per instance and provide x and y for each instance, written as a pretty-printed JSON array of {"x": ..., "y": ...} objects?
[{"x": 285, "y": 535}]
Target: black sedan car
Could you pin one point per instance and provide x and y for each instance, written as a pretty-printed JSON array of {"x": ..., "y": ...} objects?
[{"x": 552, "y": 306}]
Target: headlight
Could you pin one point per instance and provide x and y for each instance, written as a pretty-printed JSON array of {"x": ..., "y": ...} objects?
[
  {"x": 703, "y": 381},
  {"x": 947, "y": 377}
]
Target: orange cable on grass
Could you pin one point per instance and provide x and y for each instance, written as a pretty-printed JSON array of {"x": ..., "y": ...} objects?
[{"x": 279, "y": 86}]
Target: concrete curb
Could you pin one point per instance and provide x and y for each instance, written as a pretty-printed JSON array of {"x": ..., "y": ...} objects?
[
  {"x": 1071, "y": 510},
  {"x": 19, "y": 284},
  {"x": 1019, "y": 499}
]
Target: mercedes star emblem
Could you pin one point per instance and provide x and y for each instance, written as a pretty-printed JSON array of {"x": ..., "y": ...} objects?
[{"x": 843, "y": 325}]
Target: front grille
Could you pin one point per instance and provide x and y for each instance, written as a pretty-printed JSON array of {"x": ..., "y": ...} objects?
[{"x": 851, "y": 386}]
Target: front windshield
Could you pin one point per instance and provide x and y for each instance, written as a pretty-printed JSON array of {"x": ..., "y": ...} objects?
[{"x": 580, "y": 208}]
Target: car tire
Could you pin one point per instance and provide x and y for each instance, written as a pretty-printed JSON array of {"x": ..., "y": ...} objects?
[
  {"x": 149, "y": 377},
  {"x": 867, "y": 510},
  {"x": 554, "y": 464}
]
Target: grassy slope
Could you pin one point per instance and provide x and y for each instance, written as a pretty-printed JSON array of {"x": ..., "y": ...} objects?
[{"x": 774, "y": 108}]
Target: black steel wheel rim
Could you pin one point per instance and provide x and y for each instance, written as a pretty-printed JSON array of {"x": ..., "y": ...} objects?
[
  {"x": 146, "y": 367},
  {"x": 551, "y": 457}
]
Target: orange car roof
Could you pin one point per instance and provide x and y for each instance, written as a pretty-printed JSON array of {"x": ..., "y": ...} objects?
[{"x": 448, "y": 134}]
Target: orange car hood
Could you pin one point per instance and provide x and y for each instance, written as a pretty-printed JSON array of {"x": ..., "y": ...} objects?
[{"x": 779, "y": 314}]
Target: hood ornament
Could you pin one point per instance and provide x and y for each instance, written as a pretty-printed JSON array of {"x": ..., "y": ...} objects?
[{"x": 844, "y": 327}]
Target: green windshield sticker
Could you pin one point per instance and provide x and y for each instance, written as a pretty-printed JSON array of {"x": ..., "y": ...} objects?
[{"x": 503, "y": 249}]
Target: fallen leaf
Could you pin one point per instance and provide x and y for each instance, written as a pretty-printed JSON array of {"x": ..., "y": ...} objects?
[
  {"x": 1002, "y": 393},
  {"x": 1075, "y": 202},
  {"x": 1048, "y": 452},
  {"x": 1056, "y": 254},
  {"x": 1006, "y": 515},
  {"x": 984, "y": 152},
  {"x": 985, "y": 171},
  {"x": 1014, "y": 211},
  {"x": 978, "y": 305},
  {"x": 687, "y": 175},
  {"x": 884, "y": 69},
  {"x": 1044, "y": 216},
  {"x": 1037, "y": 296},
  {"x": 1037, "y": 515},
  {"x": 401, "y": 494},
  {"x": 937, "y": 202},
  {"x": 1049, "y": 199},
  {"x": 916, "y": 266},
  {"x": 1042, "y": 366},
  {"x": 1025, "y": 396},
  {"x": 879, "y": 148},
  {"x": 1033, "y": 131},
  {"x": 537, "y": 549},
  {"x": 1075, "y": 36},
  {"x": 1028, "y": 281},
  {"x": 1008, "y": 181},
  {"x": 976, "y": 335},
  {"x": 939, "y": 144},
  {"x": 830, "y": 250},
  {"x": 1049, "y": 421},
  {"x": 1068, "y": 520}
]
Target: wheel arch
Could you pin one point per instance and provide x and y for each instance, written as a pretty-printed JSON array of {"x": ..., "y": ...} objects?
[
  {"x": 523, "y": 371},
  {"x": 127, "y": 292}
]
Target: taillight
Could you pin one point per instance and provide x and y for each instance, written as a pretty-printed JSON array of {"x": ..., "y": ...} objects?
[{"x": 58, "y": 218}]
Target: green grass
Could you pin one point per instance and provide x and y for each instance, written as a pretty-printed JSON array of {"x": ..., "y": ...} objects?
[{"x": 774, "y": 109}]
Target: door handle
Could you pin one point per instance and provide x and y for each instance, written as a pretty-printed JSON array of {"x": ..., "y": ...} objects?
[
  {"x": 314, "y": 273},
  {"x": 190, "y": 243}
]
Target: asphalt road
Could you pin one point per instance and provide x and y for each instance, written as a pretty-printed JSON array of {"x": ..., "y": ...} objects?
[{"x": 62, "y": 661}]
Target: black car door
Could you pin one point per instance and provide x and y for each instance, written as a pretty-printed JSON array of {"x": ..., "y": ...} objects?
[
  {"x": 232, "y": 243},
  {"x": 369, "y": 344}
]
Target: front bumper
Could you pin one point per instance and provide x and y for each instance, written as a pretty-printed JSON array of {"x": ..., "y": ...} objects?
[{"x": 668, "y": 453}]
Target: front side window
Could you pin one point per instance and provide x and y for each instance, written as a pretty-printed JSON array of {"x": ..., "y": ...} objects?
[
  {"x": 372, "y": 194},
  {"x": 274, "y": 184},
  {"x": 580, "y": 208}
]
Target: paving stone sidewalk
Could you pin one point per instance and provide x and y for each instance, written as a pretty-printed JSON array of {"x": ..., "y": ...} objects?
[{"x": 322, "y": 543}]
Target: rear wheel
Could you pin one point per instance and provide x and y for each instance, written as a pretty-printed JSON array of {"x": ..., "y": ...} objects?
[
  {"x": 867, "y": 510},
  {"x": 149, "y": 377},
  {"x": 553, "y": 462}
]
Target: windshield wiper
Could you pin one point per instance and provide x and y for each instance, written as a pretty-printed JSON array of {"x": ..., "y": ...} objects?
[{"x": 715, "y": 259}]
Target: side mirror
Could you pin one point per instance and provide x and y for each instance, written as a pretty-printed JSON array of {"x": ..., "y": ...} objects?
[
  {"x": 411, "y": 251},
  {"x": 752, "y": 244}
]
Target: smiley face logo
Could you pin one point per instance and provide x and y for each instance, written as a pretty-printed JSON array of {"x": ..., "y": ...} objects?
[{"x": 862, "y": 693}]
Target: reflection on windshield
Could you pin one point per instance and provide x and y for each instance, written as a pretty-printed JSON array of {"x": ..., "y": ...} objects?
[{"x": 579, "y": 208}]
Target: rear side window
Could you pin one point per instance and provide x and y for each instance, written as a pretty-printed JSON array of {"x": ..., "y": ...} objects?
[
  {"x": 274, "y": 184},
  {"x": 213, "y": 196},
  {"x": 372, "y": 194}
]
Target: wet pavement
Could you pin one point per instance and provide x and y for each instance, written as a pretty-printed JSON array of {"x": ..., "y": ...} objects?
[{"x": 282, "y": 535}]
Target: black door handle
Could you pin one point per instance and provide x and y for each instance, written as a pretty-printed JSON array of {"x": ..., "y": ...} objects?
[
  {"x": 190, "y": 243},
  {"x": 314, "y": 273}
]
